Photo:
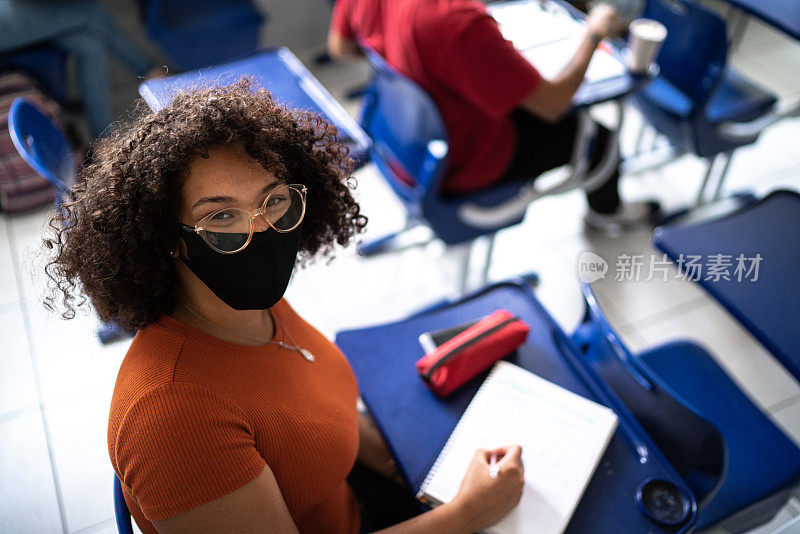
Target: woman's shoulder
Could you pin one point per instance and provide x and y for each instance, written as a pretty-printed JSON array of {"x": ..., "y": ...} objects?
[
  {"x": 151, "y": 398},
  {"x": 148, "y": 367},
  {"x": 151, "y": 357}
]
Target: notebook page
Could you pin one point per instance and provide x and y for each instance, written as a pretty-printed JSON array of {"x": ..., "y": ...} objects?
[
  {"x": 550, "y": 59},
  {"x": 529, "y": 24},
  {"x": 562, "y": 436}
]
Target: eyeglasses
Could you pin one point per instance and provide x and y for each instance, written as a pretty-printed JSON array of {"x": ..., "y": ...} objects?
[{"x": 230, "y": 230}]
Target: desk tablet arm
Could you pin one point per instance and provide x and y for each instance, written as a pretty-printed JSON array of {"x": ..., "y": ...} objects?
[{"x": 579, "y": 177}]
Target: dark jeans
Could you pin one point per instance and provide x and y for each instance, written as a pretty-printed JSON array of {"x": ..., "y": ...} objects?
[
  {"x": 542, "y": 146},
  {"x": 383, "y": 503}
]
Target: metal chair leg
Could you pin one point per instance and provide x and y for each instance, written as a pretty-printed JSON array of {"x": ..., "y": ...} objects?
[
  {"x": 637, "y": 148},
  {"x": 488, "y": 262},
  {"x": 414, "y": 234},
  {"x": 699, "y": 200},
  {"x": 464, "y": 282},
  {"x": 738, "y": 31},
  {"x": 723, "y": 175},
  {"x": 654, "y": 140}
]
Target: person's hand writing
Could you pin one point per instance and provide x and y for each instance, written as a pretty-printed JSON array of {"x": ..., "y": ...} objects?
[
  {"x": 603, "y": 21},
  {"x": 485, "y": 500}
]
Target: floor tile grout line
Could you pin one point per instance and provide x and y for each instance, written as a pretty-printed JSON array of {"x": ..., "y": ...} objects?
[
  {"x": 19, "y": 412},
  {"x": 37, "y": 379},
  {"x": 649, "y": 320},
  {"x": 95, "y": 527},
  {"x": 785, "y": 403}
]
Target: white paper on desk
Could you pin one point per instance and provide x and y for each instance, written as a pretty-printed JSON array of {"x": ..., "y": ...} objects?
[
  {"x": 529, "y": 24},
  {"x": 562, "y": 435},
  {"x": 549, "y": 59}
]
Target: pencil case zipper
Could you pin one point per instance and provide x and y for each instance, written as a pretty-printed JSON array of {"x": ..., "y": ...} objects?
[{"x": 427, "y": 376}]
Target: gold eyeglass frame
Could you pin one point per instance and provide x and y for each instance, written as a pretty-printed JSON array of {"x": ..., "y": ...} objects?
[{"x": 200, "y": 230}]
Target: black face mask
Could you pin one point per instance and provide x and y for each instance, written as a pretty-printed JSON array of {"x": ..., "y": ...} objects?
[{"x": 252, "y": 279}]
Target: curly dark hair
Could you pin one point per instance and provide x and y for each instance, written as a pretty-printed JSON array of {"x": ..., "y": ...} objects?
[{"x": 112, "y": 242}]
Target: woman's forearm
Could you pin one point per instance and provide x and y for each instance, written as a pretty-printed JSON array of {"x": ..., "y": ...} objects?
[
  {"x": 372, "y": 450},
  {"x": 445, "y": 519}
]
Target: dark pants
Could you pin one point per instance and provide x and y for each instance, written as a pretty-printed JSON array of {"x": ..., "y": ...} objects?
[
  {"x": 542, "y": 146},
  {"x": 383, "y": 503}
]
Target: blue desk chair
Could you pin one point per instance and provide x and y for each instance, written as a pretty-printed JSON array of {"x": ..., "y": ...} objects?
[
  {"x": 416, "y": 423},
  {"x": 197, "y": 33},
  {"x": 121, "y": 512},
  {"x": 46, "y": 149},
  {"x": 764, "y": 300},
  {"x": 410, "y": 148},
  {"x": 739, "y": 465},
  {"x": 43, "y": 146},
  {"x": 279, "y": 71},
  {"x": 697, "y": 102}
]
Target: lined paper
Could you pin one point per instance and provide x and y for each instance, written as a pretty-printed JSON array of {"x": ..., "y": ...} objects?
[{"x": 562, "y": 435}]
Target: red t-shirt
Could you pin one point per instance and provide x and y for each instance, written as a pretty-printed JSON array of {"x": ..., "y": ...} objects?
[{"x": 454, "y": 50}]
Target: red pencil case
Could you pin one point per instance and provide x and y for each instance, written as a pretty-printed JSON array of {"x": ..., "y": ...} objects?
[{"x": 459, "y": 359}]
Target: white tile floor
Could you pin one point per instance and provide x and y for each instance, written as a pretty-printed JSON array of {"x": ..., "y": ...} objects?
[{"x": 56, "y": 378}]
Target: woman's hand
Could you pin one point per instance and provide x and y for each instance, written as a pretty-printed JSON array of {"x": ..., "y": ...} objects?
[
  {"x": 603, "y": 21},
  {"x": 484, "y": 500}
]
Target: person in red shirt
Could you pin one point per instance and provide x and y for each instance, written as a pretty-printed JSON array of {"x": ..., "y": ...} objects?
[{"x": 505, "y": 121}]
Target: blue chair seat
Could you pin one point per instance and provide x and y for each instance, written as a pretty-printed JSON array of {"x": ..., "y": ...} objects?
[
  {"x": 45, "y": 62},
  {"x": 761, "y": 460},
  {"x": 735, "y": 99},
  {"x": 738, "y": 99},
  {"x": 207, "y": 32},
  {"x": 667, "y": 97},
  {"x": 204, "y": 11},
  {"x": 206, "y": 27}
]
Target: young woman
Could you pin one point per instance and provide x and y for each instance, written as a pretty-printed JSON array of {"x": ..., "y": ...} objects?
[{"x": 230, "y": 413}]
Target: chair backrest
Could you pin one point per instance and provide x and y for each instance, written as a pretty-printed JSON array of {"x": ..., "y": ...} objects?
[
  {"x": 121, "y": 512},
  {"x": 737, "y": 462},
  {"x": 694, "y": 447},
  {"x": 409, "y": 138},
  {"x": 41, "y": 144},
  {"x": 694, "y": 53}
]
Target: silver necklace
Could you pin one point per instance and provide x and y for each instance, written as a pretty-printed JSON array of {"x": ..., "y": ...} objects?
[{"x": 305, "y": 353}]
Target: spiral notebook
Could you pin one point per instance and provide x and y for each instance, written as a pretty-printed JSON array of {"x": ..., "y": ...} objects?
[{"x": 563, "y": 437}]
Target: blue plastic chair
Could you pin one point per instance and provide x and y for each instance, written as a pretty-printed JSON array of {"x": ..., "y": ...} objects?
[
  {"x": 43, "y": 146},
  {"x": 383, "y": 356},
  {"x": 410, "y": 149},
  {"x": 198, "y": 33},
  {"x": 46, "y": 149},
  {"x": 121, "y": 512},
  {"x": 701, "y": 105},
  {"x": 739, "y": 465},
  {"x": 766, "y": 301}
]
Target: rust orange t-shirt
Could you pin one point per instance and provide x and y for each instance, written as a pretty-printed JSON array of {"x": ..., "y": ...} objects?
[{"x": 194, "y": 417}]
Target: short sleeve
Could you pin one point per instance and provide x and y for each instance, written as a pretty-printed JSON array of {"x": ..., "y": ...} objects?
[
  {"x": 481, "y": 65},
  {"x": 340, "y": 19},
  {"x": 180, "y": 446}
]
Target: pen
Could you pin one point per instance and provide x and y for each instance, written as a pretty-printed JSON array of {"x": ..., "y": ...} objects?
[{"x": 493, "y": 469}]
